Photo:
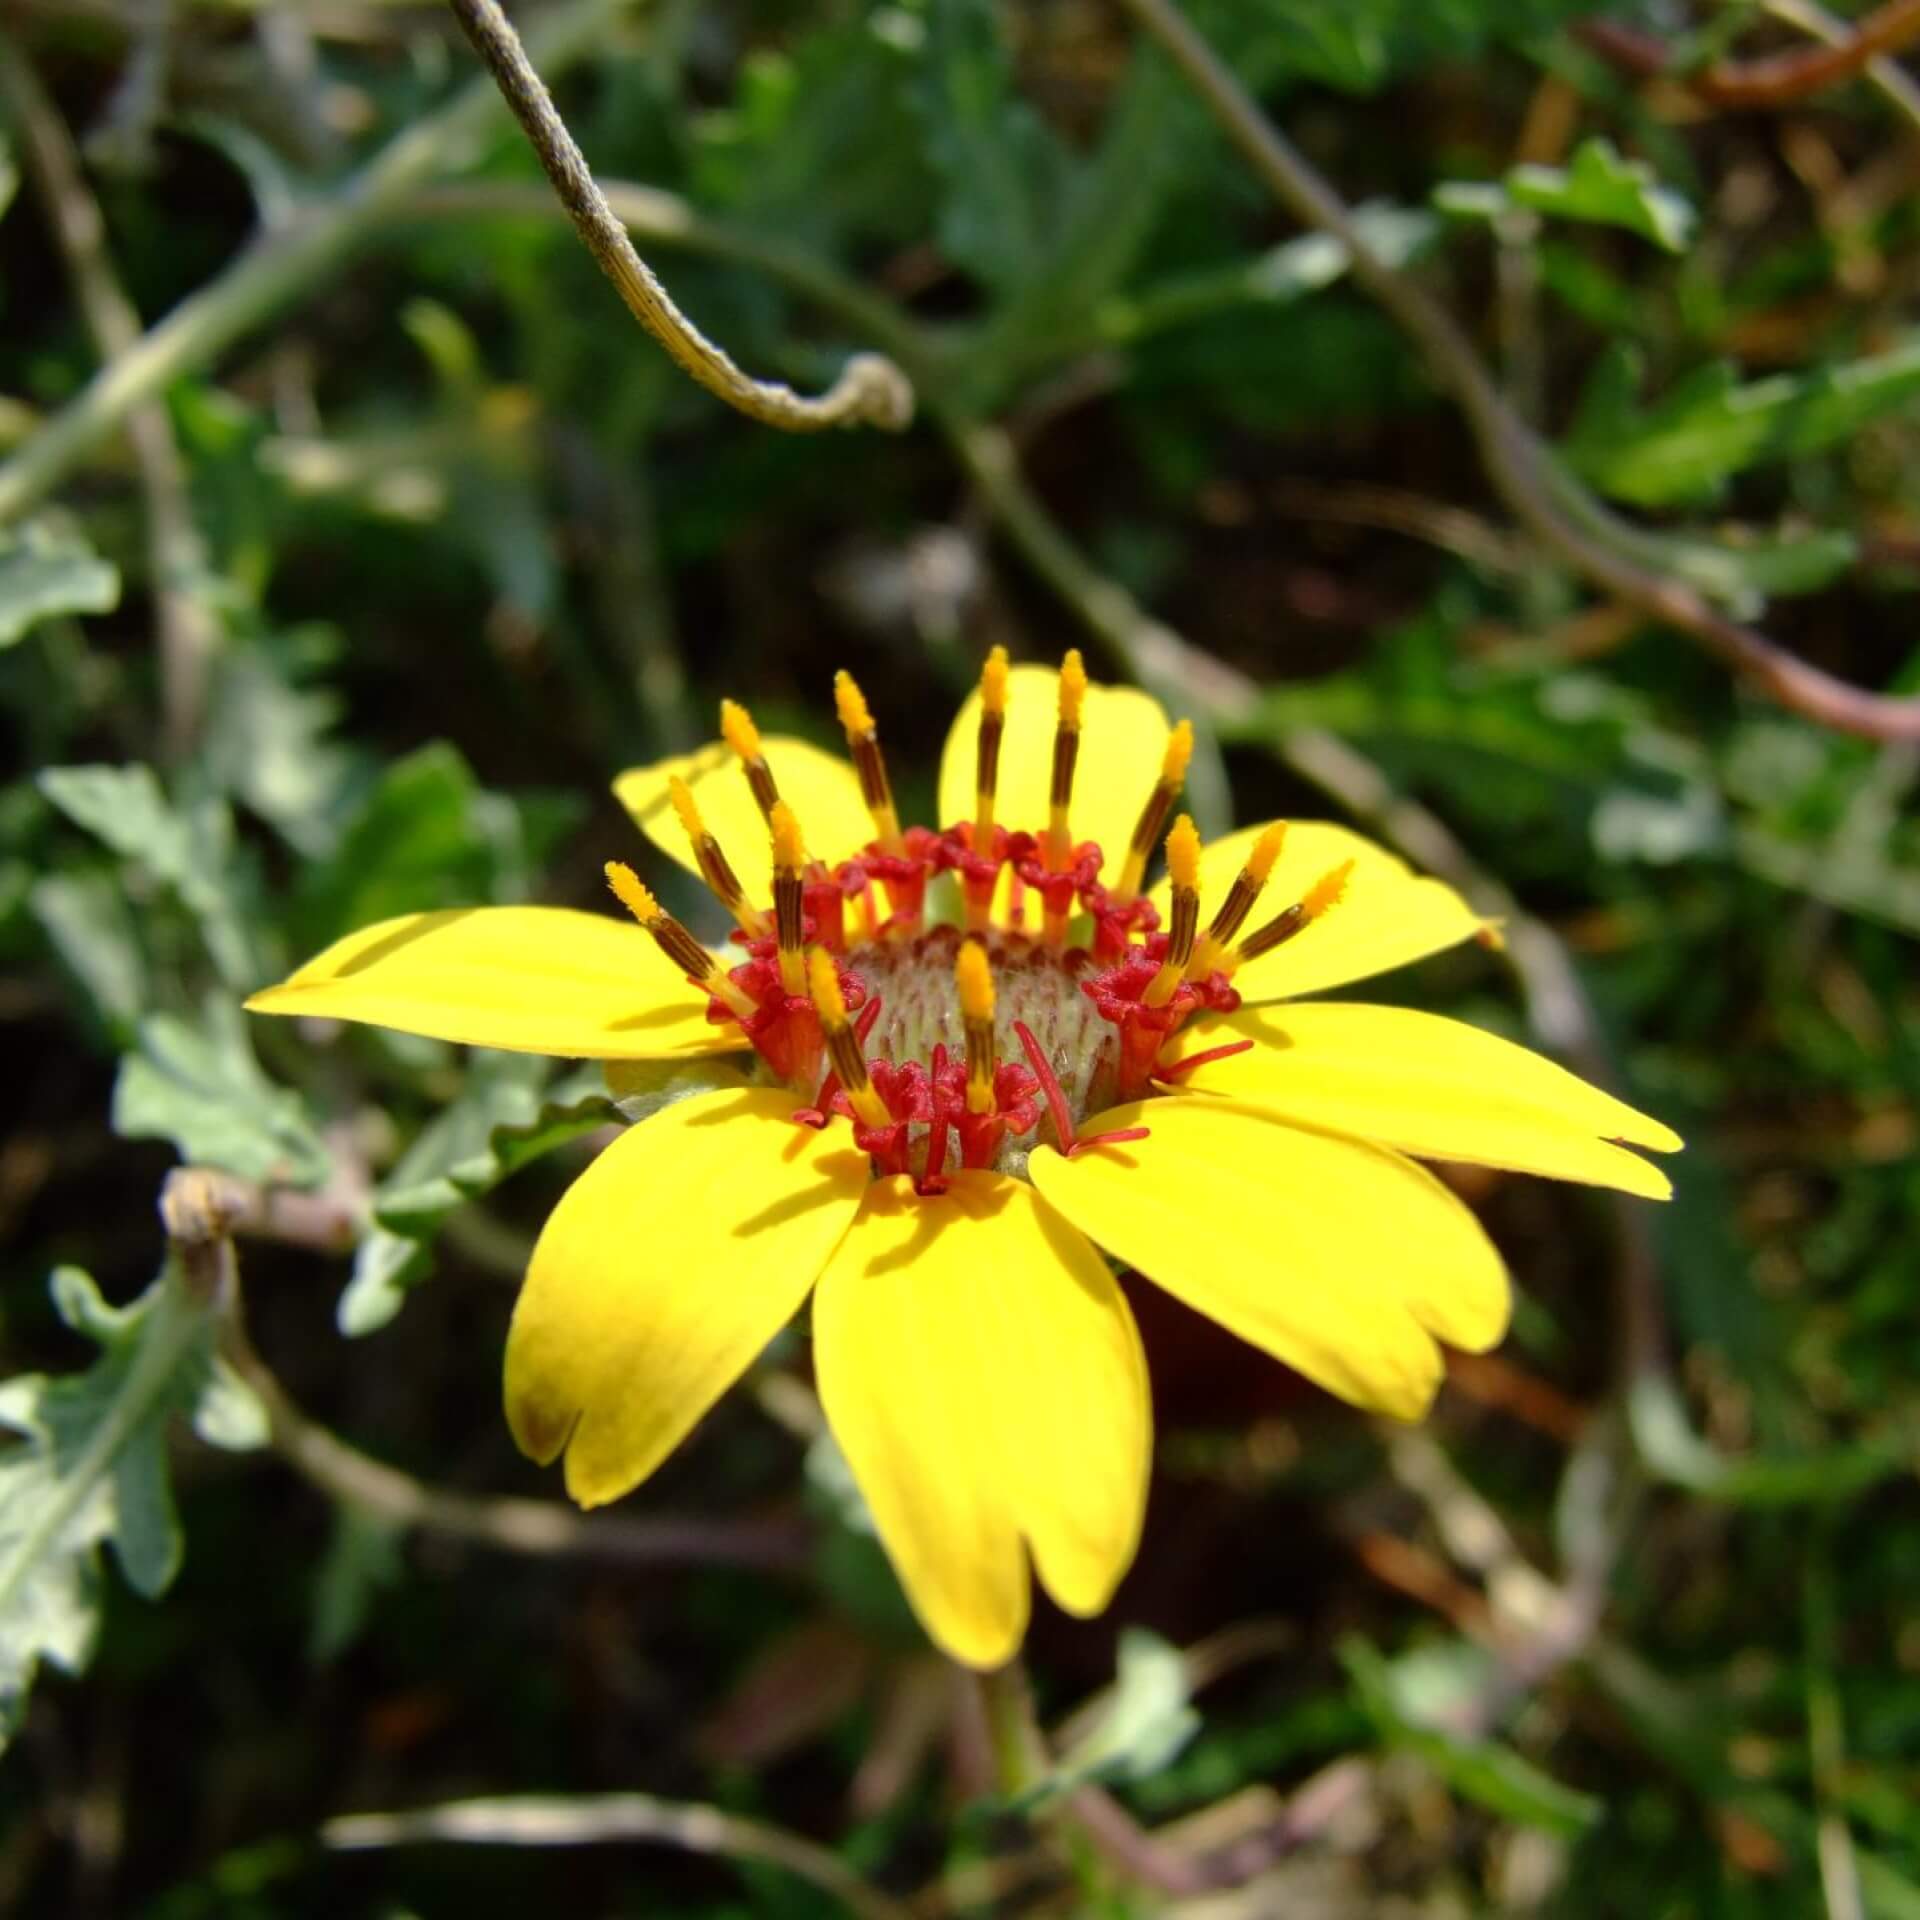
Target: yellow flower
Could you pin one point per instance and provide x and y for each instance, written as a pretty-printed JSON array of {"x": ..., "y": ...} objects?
[{"x": 955, "y": 1118}]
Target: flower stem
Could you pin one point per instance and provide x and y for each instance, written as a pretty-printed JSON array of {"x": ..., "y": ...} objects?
[{"x": 1013, "y": 1733}]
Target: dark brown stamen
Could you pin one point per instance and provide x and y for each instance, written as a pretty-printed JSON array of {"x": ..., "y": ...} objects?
[
  {"x": 1185, "y": 924},
  {"x": 986, "y": 775},
  {"x": 1153, "y": 818},
  {"x": 760, "y": 781},
  {"x": 1235, "y": 907},
  {"x": 1276, "y": 933},
  {"x": 788, "y": 893},
  {"x": 1066, "y": 754}
]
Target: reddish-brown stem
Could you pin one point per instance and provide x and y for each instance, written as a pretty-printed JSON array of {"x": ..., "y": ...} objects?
[{"x": 1778, "y": 79}]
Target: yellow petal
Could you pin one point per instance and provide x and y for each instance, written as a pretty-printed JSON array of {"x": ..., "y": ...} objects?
[
  {"x": 1429, "y": 1086},
  {"x": 664, "y": 1271},
  {"x": 530, "y": 979},
  {"x": 822, "y": 789},
  {"x": 1123, "y": 737},
  {"x": 982, "y": 1374},
  {"x": 1339, "y": 1258},
  {"x": 1389, "y": 915}
]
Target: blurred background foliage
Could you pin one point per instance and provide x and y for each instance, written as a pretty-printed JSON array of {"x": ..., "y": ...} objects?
[{"x": 395, "y": 541}]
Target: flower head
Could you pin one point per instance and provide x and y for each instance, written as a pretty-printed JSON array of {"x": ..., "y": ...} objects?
[{"x": 983, "y": 1063}]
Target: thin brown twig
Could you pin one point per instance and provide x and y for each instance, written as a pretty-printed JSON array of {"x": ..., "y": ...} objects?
[
  {"x": 1396, "y": 510},
  {"x": 1568, "y": 521},
  {"x": 1885, "y": 74},
  {"x": 541, "y": 1528},
  {"x": 589, "y": 1820},
  {"x": 1775, "y": 80},
  {"x": 176, "y": 557},
  {"x": 1307, "y": 1813},
  {"x": 1022, "y": 1757},
  {"x": 871, "y": 389}
]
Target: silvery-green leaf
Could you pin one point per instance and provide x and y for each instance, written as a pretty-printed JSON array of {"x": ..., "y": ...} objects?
[
  {"x": 196, "y": 1082},
  {"x": 47, "y": 570},
  {"x": 1603, "y": 186},
  {"x": 188, "y": 848},
  {"x": 88, "y": 1468}
]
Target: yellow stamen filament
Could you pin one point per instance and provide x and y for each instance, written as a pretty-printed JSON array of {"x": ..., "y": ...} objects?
[
  {"x": 1183, "y": 864},
  {"x": 674, "y": 940},
  {"x": 789, "y": 856},
  {"x": 843, "y": 1044},
  {"x": 715, "y": 869},
  {"x": 739, "y": 732},
  {"x": 993, "y": 724},
  {"x": 863, "y": 742},
  {"x": 1248, "y": 884},
  {"x": 1153, "y": 816},
  {"x": 973, "y": 978},
  {"x": 1322, "y": 897},
  {"x": 1066, "y": 752}
]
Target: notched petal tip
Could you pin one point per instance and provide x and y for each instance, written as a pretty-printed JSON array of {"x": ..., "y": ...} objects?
[
  {"x": 1411, "y": 1402},
  {"x": 1650, "y": 1135},
  {"x": 660, "y": 1277},
  {"x": 982, "y": 1647},
  {"x": 540, "y": 1425},
  {"x": 594, "y": 1482}
]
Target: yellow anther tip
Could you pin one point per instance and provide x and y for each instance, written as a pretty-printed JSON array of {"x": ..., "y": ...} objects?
[
  {"x": 1266, "y": 850},
  {"x": 1173, "y": 769},
  {"x": 823, "y": 982},
  {"x": 1327, "y": 891},
  {"x": 789, "y": 847},
  {"x": 1183, "y": 853},
  {"x": 686, "y": 807},
  {"x": 851, "y": 704},
  {"x": 738, "y": 730},
  {"x": 1073, "y": 687},
  {"x": 993, "y": 682},
  {"x": 973, "y": 976},
  {"x": 631, "y": 893}
]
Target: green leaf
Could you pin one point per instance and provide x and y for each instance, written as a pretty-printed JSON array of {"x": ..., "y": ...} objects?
[
  {"x": 197, "y": 1083},
  {"x": 269, "y": 742},
  {"x": 362, "y": 1558},
  {"x": 1670, "y": 1448},
  {"x": 1147, "y": 1724},
  {"x": 90, "y": 1468},
  {"x": 1409, "y": 1700},
  {"x": 47, "y": 570},
  {"x": 1107, "y": 210},
  {"x": 1607, "y": 189},
  {"x": 1285, "y": 273},
  {"x": 86, "y": 918},
  {"x": 1004, "y": 172},
  {"x": 1360, "y": 45},
  {"x": 427, "y": 835},
  {"x": 820, "y": 142},
  {"x": 188, "y": 849},
  {"x": 1710, "y": 426}
]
